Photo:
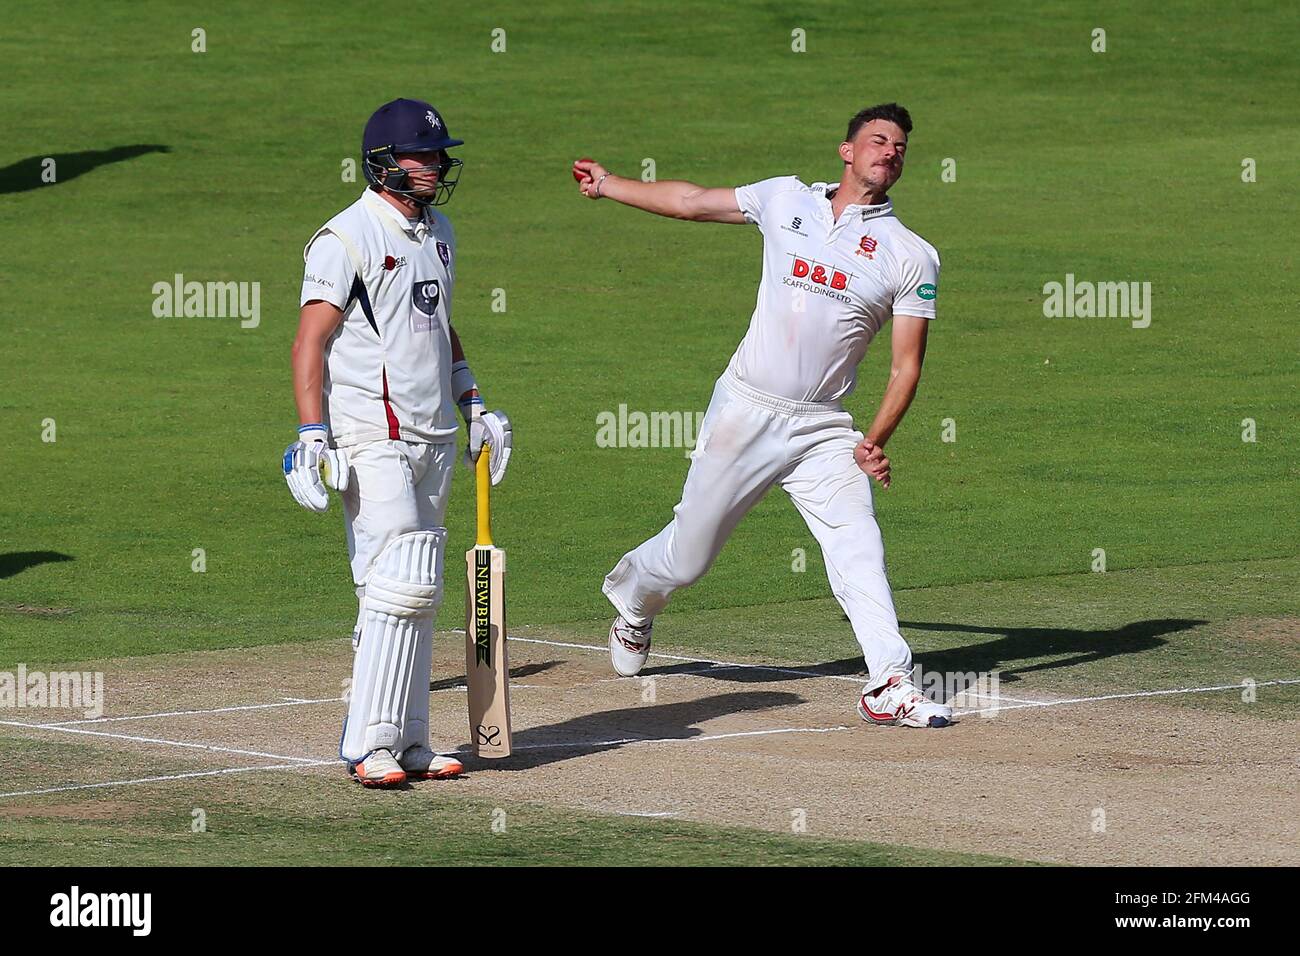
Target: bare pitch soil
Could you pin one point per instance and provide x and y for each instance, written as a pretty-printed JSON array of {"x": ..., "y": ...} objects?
[{"x": 1129, "y": 781}]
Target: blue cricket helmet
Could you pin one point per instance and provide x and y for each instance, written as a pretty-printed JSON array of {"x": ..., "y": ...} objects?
[{"x": 409, "y": 126}]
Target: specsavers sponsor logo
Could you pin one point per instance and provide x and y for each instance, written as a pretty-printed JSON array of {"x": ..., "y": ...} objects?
[{"x": 926, "y": 291}]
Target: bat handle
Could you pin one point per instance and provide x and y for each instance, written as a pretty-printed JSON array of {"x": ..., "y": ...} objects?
[{"x": 483, "y": 494}]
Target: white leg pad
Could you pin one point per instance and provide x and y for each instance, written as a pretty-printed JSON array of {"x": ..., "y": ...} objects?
[
  {"x": 415, "y": 730},
  {"x": 403, "y": 592}
]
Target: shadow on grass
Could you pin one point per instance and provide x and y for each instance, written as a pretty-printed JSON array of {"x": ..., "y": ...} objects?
[
  {"x": 522, "y": 670},
  {"x": 1069, "y": 647},
  {"x": 25, "y": 174},
  {"x": 16, "y": 562},
  {"x": 612, "y": 729}
]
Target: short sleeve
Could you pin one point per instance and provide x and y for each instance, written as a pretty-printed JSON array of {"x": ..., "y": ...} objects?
[
  {"x": 918, "y": 284},
  {"x": 752, "y": 199},
  {"x": 328, "y": 274}
]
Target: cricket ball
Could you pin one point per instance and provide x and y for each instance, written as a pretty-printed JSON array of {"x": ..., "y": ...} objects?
[{"x": 580, "y": 176}]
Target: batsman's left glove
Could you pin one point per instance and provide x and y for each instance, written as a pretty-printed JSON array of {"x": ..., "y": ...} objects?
[{"x": 493, "y": 428}]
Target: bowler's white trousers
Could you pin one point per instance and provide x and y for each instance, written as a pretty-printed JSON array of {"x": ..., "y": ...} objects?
[{"x": 748, "y": 442}]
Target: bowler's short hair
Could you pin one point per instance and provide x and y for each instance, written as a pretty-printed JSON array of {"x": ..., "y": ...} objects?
[{"x": 885, "y": 111}]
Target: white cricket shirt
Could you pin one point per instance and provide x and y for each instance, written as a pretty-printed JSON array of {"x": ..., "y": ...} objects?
[
  {"x": 828, "y": 287},
  {"x": 388, "y": 365}
]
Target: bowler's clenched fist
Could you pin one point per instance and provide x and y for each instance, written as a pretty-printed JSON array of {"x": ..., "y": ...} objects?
[{"x": 589, "y": 174}]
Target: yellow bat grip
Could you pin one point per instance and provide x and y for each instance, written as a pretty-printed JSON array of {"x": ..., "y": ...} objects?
[{"x": 482, "y": 488}]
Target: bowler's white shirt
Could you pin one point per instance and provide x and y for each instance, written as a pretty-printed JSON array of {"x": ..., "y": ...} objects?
[
  {"x": 828, "y": 287},
  {"x": 388, "y": 366}
]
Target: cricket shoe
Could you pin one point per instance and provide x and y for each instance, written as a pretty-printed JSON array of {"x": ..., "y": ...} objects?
[
  {"x": 379, "y": 768},
  {"x": 900, "y": 702},
  {"x": 421, "y": 763},
  {"x": 628, "y": 646}
]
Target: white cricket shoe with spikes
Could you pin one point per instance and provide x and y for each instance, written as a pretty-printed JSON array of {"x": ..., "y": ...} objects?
[
  {"x": 901, "y": 702},
  {"x": 629, "y": 646},
  {"x": 379, "y": 768},
  {"x": 421, "y": 763}
]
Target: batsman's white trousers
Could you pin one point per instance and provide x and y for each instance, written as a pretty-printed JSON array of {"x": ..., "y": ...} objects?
[
  {"x": 395, "y": 487},
  {"x": 748, "y": 442}
]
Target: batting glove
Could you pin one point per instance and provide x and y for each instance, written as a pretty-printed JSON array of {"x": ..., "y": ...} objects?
[
  {"x": 310, "y": 463},
  {"x": 493, "y": 428}
]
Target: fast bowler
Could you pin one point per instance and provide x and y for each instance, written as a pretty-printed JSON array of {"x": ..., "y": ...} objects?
[{"x": 837, "y": 265}]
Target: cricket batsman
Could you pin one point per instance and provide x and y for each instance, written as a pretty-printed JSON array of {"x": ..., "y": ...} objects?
[
  {"x": 378, "y": 373},
  {"x": 837, "y": 265}
]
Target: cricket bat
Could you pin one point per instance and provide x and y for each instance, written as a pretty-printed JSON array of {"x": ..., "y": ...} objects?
[{"x": 487, "y": 665}]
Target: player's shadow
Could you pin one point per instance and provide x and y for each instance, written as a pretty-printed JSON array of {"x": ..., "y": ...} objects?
[
  {"x": 30, "y": 173},
  {"x": 1068, "y": 647},
  {"x": 615, "y": 729},
  {"x": 754, "y": 673},
  {"x": 523, "y": 670},
  {"x": 16, "y": 562}
]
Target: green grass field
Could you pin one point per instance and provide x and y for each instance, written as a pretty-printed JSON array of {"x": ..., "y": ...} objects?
[{"x": 1072, "y": 434}]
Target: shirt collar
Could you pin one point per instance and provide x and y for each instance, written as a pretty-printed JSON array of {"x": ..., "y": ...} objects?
[
  {"x": 862, "y": 210},
  {"x": 417, "y": 230}
]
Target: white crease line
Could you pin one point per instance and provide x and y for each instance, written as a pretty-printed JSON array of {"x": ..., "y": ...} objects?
[
  {"x": 996, "y": 697},
  {"x": 163, "y": 779},
  {"x": 719, "y": 665},
  {"x": 156, "y": 740},
  {"x": 287, "y": 702},
  {"x": 696, "y": 660},
  {"x": 304, "y": 763},
  {"x": 702, "y": 672},
  {"x": 1142, "y": 693},
  {"x": 705, "y": 673},
  {"x": 299, "y": 701}
]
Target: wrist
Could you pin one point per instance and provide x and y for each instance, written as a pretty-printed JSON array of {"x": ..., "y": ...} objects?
[
  {"x": 600, "y": 182},
  {"x": 313, "y": 431},
  {"x": 465, "y": 389},
  {"x": 470, "y": 407}
]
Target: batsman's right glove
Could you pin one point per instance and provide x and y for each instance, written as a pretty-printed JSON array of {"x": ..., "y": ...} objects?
[{"x": 309, "y": 460}]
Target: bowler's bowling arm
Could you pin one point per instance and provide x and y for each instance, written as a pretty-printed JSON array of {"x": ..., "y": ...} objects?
[{"x": 676, "y": 199}]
